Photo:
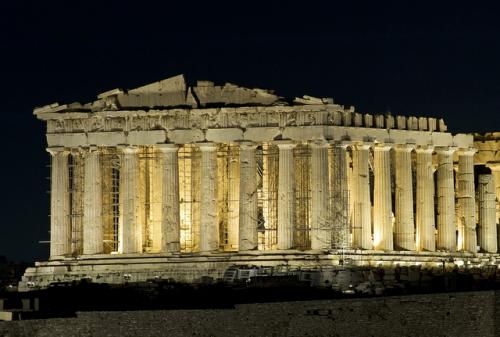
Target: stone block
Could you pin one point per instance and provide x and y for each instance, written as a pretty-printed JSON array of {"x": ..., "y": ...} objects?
[
  {"x": 261, "y": 134},
  {"x": 368, "y": 120},
  {"x": 401, "y": 122},
  {"x": 106, "y": 138},
  {"x": 66, "y": 139},
  {"x": 379, "y": 121},
  {"x": 146, "y": 137},
  {"x": 224, "y": 135},
  {"x": 185, "y": 136}
]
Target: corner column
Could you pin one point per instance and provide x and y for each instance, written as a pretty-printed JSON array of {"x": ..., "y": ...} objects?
[
  {"x": 362, "y": 236},
  {"x": 170, "y": 218},
  {"x": 248, "y": 198},
  {"x": 404, "y": 229},
  {"x": 466, "y": 200},
  {"x": 340, "y": 198},
  {"x": 60, "y": 225},
  {"x": 130, "y": 235},
  {"x": 382, "y": 222},
  {"x": 446, "y": 226},
  {"x": 286, "y": 195},
  {"x": 426, "y": 229},
  {"x": 93, "y": 233},
  {"x": 487, "y": 214},
  {"x": 209, "y": 227},
  {"x": 321, "y": 228}
]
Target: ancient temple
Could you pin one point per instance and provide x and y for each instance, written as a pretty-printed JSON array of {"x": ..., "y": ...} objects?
[{"x": 175, "y": 181}]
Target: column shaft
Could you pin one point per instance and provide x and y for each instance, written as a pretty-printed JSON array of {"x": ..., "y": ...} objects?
[
  {"x": 404, "y": 229},
  {"x": 130, "y": 235},
  {"x": 209, "y": 227},
  {"x": 467, "y": 202},
  {"x": 248, "y": 198},
  {"x": 93, "y": 232},
  {"x": 362, "y": 237},
  {"x": 487, "y": 214},
  {"x": 340, "y": 198},
  {"x": 446, "y": 226},
  {"x": 286, "y": 196},
  {"x": 382, "y": 222},
  {"x": 170, "y": 219},
  {"x": 60, "y": 225},
  {"x": 321, "y": 226},
  {"x": 426, "y": 237}
]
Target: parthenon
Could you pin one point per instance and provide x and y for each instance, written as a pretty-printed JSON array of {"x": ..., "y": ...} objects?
[{"x": 175, "y": 181}]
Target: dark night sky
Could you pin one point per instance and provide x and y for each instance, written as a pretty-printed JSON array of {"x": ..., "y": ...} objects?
[{"x": 441, "y": 60}]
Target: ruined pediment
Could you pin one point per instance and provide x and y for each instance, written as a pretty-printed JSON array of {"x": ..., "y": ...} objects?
[{"x": 170, "y": 93}]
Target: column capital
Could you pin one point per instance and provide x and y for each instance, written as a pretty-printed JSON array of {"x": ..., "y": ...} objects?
[
  {"x": 127, "y": 149},
  {"x": 446, "y": 150},
  {"x": 56, "y": 150},
  {"x": 319, "y": 143},
  {"x": 284, "y": 144},
  {"x": 425, "y": 149},
  {"x": 207, "y": 146},
  {"x": 363, "y": 145},
  {"x": 383, "y": 146},
  {"x": 494, "y": 167},
  {"x": 246, "y": 145},
  {"x": 404, "y": 147},
  {"x": 341, "y": 143},
  {"x": 167, "y": 148},
  {"x": 466, "y": 151}
]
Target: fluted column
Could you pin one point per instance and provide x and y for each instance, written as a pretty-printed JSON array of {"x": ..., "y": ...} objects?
[
  {"x": 495, "y": 171},
  {"x": 446, "y": 226},
  {"x": 340, "y": 198},
  {"x": 130, "y": 235},
  {"x": 170, "y": 219},
  {"x": 209, "y": 227},
  {"x": 321, "y": 227},
  {"x": 362, "y": 236},
  {"x": 286, "y": 195},
  {"x": 60, "y": 225},
  {"x": 426, "y": 238},
  {"x": 487, "y": 214},
  {"x": 382, "y": 222},
  {"x": 404, "y": 228},
  {"x": 93, "y": 232},
  {"x": 248, "y": 198},
  {"x": 466, "y": 200}
]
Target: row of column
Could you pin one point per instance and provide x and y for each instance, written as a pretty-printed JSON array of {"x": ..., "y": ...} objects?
[{"x": 325, "y": 233}]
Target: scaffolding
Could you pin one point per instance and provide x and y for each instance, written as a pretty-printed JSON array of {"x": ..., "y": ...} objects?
[
  {"x": 302, "y": 158},
  {"x": 267, "y": 200},
  {"x": 75, "y": 192},
  {"x": 189, "y": 195},
  {"x": 111, "y": 201},
  {"x": 228, "y": 189}
]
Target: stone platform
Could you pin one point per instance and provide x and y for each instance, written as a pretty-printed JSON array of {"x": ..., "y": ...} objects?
[{"x": 120, "y": 268}]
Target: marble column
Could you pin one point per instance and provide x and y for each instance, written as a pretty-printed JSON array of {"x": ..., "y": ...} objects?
[
  {"x": 362, "y": 236},
  {"x": 466, "y": 200},
  {"x": 340, "y": 198},
  {"x": 382, "y": 222},
  {"x": 209, "y": 226},
  {"x": 130, "y": 235},
  {"x": 93, "y": 231},
  {"x": 170, "y": 218},
  {"x": 404, "y": 227},
  {"x": 60, "y": 225},
  {"x": 321, "y": 226},
  {"x": 495, "y": 171},
  {"x": 248, "y": 198},
  {"x": 487, "y": 214},
  {"x": 426, "y": 231},
  {"x": 286, "y": 195},
  {"x": 446, "y": 226}
]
